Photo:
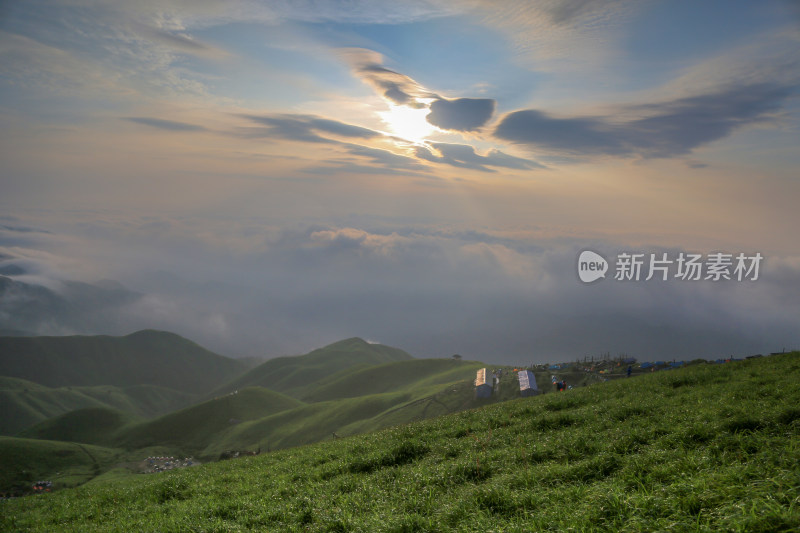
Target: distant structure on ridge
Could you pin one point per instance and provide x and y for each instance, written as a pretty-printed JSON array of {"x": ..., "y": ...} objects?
[
  {"x": 483, "y": 388},
  {"x": 527, "y": 383}
]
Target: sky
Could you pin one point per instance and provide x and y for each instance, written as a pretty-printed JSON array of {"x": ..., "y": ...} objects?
[{"x": 268, "y": 177}]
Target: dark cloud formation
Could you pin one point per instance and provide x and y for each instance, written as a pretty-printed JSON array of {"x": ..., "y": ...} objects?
[
  {"x": 306, "y": 128},
  {"x": 667, "y": 129},
  {"x": 464, "y": 156},
  {"x": 162, "y": 124},
  {"x": 461, "y": 114}
]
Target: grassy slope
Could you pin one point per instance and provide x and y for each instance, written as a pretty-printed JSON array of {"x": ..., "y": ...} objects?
[
  {"x": 410, "y": 396},
  {"x": 391, "y": 377},
  {"x": 296, "y": 375},
  {"x": 391, "y": 394},
  {"x": 192, "y": 428},
  {"x": 708, "y": 448},
  {"x": 27, "y": 460},
  {"x": 145, "y": 357},
  {"x": 24, "y": 403},
  {"x": 93, "y": 425}
]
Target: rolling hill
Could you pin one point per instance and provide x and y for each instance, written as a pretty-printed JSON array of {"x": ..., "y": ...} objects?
[
  {"x": 413, "y": 390},
  {"x": 295, "y": 375},
  {"x": 25, "y": 403},
  {"x": 703, "y": 448},
  {"x": 143, "y": 358},
  {"x": 390, "y": 377},
  {"x": 191, "y": 429},
  {"x": 92, "y": 425},
  {"x": 28, "y": 460}
]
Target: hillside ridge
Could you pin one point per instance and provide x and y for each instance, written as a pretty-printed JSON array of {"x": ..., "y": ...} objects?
[{"x": 147, "y": 357}]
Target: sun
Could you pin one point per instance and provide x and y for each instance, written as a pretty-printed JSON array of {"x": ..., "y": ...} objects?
[{"x": 408, "y": 123}]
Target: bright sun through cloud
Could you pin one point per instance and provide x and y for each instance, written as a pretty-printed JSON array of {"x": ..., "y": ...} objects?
[{"x": 408, "y": 123}]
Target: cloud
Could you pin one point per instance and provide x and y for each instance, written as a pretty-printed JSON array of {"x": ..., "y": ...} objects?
[
  {"x": 510, "y": 297},
  {"x": 666, "y": 129},
  {"x": 163, "y": 124},
  {"x": 464, "y": 156},
  {"x": 306, "y": 128},
  {"x": 461, "y": 114},
  {"x": 574, "y": 135},
  {"x": 397, "y": 88},
  {"x": 385, "y": 158}
]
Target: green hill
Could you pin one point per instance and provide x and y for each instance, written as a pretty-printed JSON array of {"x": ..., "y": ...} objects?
[
  {"x": 390, "y": 377},
  {"x": 191, "y": 429},
  {"x": 93, "y": 425},
  {"x": 142, "y": 358},
  {"x": 704, "y": 448},
  {"x": 410, "y": 395},
  {"x": 297, "y": 374},
  {"x": 24, "y": 403},
  {"x": 25, "y": 461}
]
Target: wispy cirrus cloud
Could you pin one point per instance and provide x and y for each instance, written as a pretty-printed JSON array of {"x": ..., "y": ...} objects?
[{"x": 164, "y": 124}]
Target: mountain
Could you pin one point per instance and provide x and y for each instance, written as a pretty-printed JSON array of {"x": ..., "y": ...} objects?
[
  {"x": 295, "y": 375},
  {"x": 146, "y": 357}
]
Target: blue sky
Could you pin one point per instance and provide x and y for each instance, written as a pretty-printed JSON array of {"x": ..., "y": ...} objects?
[{"x": 420, "y": 173}]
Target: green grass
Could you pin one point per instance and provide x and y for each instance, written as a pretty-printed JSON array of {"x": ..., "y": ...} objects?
[
  {"x": 298, "y": 375},
  {"x": 706, "y": 448}
]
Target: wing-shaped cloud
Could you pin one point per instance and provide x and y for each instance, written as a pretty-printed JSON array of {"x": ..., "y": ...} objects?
[
  {"x": 667, "y": 129},
  {"x": 464, "y": 156},
  {"x": 461, "y": 114},
  {"x": 395, "y": 87}
]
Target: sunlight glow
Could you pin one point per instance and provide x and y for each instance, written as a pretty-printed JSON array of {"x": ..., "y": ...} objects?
[{"x": 408, "y": 123}]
